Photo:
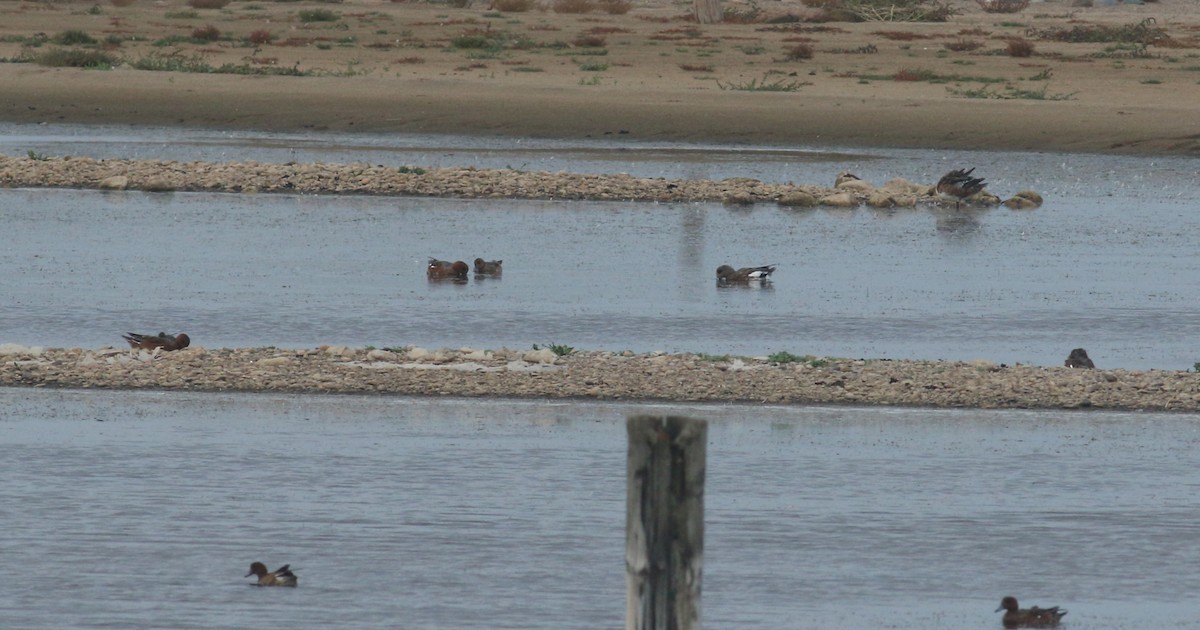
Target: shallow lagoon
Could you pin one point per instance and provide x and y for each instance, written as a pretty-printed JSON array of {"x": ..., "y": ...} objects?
[{"x": 1107, "y": 264}]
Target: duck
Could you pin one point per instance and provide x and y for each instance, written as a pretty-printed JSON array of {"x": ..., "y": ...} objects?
[
  {"x": 282, "y": 576},
  {"x": 745, "y": 275},
  {"x": 488, "y": 267},
  {"x": 1079, "y": 359},
  {"x": 161, "y": 340},
  {"x": 1016, "y": 617},
  {"x": 439, "y": 269},
  {"x": 960, "y": 185}
]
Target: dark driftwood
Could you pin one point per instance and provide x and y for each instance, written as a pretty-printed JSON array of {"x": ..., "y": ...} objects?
[{"x": 664, "y": 522}]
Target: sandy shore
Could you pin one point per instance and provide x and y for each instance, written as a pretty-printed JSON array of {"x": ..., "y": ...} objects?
[
  {"x": 602, "y": 376},
  {"x": 649, "y": 74}
]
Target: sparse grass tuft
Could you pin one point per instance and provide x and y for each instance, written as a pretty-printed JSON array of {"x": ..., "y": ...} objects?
[
  {"x": 755, "y": 85},
  {"x": 573, "y": 6},
  {"x": 1019, "y": 47},
  {"x": 260, "y": 37},
  {"x": 1011, "y": 93},
  {"x": 884, "y": 10},
  {"x": 1003, "y": 6},
  {"x": 1144, "y": 32},
  {"x": 799, "y": 52},
  {"x": 715, "y": 358},
  {"x": 513, "y": 6},
  {"x": 317, "y": 15},
  {"x": 73, "y": 58},
  {"x": 788, "y": 357},
  {"x": 208, "y": 33},
  {"x": 39, "y": 157},
  {"x": 588, "y": 41},
  {"x": 208, "y": 4},
  {"x": 73, "y": 38},
  {"x": 616, "y": 7},
  {"x": 963, "y": 45}
]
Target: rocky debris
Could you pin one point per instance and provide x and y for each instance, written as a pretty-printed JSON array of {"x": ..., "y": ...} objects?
[
  {"x": 1024, "y": 200},
  {"x": 602, "y": 375}
]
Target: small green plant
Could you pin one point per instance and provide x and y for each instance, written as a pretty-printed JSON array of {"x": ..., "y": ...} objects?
[
  {"x": 73, "y": 38},
  {"x": 592, "y": 66},
  {"x": 557, "y": 348},
  {"x": 182, "y": 15},
  {"x": 34, "y": 155},
  {"x": 411, "y": 170},
  {"x": 715, "y": 358},
  {"x": 1151, "y": 81},
  {"x": 208, "y": 4},
  {"x": 788, "y": 357},
  {"x": 1196, "y": 366}
]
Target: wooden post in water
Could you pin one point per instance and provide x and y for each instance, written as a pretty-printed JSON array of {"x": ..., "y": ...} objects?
[{"x": 664, "y": 522}]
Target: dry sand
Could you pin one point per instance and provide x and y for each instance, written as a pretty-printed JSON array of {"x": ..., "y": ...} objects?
[{"x": 655, "y": 75}]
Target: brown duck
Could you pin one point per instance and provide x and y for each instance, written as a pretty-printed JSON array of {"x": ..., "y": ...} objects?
[
  {"x": 488, "y": 267},
  {"x": 441, "y": 269},
  {"x": 1079, "y": 359},
  {"x": 745, "y": 275},
  {"x": 1016, "y": 617},
  {"x": 282, "y": 576},
  {"x": 161, "y": 340},
  {"x": 960, "y": 185}
]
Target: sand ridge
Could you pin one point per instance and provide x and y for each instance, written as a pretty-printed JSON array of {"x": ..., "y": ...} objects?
[{"x": 649, "y": 74}]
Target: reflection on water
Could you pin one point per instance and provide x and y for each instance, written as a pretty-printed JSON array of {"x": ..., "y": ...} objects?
[{"x": 144, "y": 509}]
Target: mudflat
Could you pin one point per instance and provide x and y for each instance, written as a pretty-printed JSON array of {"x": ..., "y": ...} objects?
[{"x": 1121, "y": 78}]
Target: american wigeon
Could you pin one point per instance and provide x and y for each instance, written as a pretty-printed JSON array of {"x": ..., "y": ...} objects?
[
  {"x": 161, "y": 340},
  {"x": 282, "y": 576},
  {"x": 729, "y": 275},
  {"x": 439, "y": 269},
  {"x": 960, "y": 185},
  {"x": 1035, "y": 617},
  {"x": 488, "y": 267},
  {"x": 1079, "y": 359}
]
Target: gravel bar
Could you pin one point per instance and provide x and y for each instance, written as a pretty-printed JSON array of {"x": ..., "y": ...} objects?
[{"x": 602, "y": 376}]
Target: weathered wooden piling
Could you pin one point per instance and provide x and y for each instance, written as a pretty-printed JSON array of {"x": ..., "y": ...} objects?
[{"x": 664, "y": 522}]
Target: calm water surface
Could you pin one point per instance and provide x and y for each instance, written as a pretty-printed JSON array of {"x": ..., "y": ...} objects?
[
  {"x": 144, "y": 509},
  {"x": 1108, "y": 264}
]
